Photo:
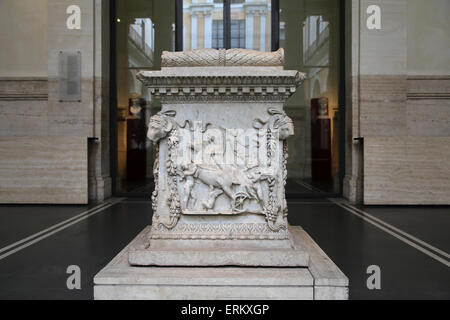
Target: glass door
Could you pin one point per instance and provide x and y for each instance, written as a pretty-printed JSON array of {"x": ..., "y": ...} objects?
[
  {"x": 142, "y": 30},
  {"x": 310, "y": 32}
]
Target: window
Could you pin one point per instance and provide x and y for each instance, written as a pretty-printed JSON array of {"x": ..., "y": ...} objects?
[
  {"x": 232, "y": 1},
  {"x": 226, "y": 24},
  {"x": 217, "y": 34},
  {"x": 237, "y": 33}
]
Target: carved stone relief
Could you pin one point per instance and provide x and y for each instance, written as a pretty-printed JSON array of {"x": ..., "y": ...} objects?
[{"x": 257, "y": 189}]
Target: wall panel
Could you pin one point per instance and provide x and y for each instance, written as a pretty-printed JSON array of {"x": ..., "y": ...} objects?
[{"x": 51, "y": 170}]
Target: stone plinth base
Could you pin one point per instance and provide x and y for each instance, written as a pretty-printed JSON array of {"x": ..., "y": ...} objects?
[
  {"x": 321, "y": 280},
  {"x": 211, "y": 253}
]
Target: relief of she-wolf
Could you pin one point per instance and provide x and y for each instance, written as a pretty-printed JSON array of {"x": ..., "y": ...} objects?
[{"x": 224, "y": 189}]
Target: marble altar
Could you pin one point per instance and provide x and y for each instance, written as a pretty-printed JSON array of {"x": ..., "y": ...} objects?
[{"x": 220, "y": 176}]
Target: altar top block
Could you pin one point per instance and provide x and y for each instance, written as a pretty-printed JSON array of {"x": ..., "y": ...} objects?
[{"x": 222, "y": 75}]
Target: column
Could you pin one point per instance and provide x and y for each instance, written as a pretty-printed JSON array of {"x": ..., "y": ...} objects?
[
  {"x": 262, "y": 32},
  {"x": 208, "y": 29},
  {"x": 194, "y": 31},
  {"x": 249, "y": 30}
]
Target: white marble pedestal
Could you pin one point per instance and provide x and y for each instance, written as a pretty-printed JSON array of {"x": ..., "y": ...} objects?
[
  {"x": 321, "y": 280},
  {"x": 219, "y": 227}
]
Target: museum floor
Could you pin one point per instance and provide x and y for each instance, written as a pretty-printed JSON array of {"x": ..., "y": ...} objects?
[{"x": 409, "y": 244}]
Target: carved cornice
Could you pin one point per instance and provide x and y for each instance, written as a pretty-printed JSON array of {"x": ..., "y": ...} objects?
[
  {"x": 224, "y": 93},
  {"x": 258, "y": 84},
  {"x": 159, "y": 78}
]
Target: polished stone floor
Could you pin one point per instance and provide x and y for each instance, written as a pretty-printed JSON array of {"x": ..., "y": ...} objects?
[{"x": 38, "y": 243}]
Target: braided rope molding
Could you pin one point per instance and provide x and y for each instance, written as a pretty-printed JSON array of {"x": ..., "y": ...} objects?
[{"x": 231, "y": 57}]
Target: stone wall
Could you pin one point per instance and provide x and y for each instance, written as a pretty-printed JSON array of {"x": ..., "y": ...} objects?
[
  {"x": 398, "y": 100},
  {"x": 23, "y": 30},
  {"x": 35, "y": 33}
]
